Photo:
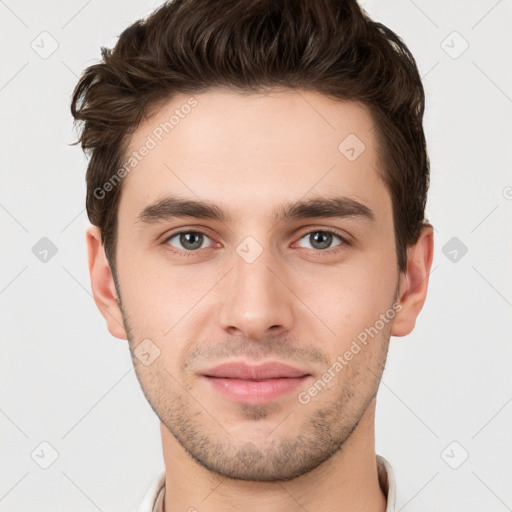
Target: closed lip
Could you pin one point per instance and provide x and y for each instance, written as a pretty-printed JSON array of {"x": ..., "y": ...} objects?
[{"x": 245, "y": 371}]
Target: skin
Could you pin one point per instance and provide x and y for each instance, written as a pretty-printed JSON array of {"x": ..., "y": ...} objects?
[{"x": 296, "y": 303}]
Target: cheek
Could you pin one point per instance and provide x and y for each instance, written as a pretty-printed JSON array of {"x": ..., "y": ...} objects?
[
  {"x": 350, "y": 298},
  {"x": 160, "y": 299}
]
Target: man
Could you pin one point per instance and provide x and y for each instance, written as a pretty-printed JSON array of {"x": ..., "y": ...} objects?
[{"x": 257, "y": 188}]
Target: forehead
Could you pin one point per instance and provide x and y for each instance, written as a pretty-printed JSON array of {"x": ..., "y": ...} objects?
[{"x": 249, "y": 151}]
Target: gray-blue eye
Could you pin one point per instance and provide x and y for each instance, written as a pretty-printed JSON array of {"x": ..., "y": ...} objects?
[
  {"x": 319, "y": 240},
  {"x": 189, "y": 240}
]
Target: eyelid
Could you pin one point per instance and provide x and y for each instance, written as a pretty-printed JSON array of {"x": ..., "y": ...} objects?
[
  {"x": 197, "y": 231},
  {"x": 344, "y": 237},
  {"x": 187, "y": 229}
]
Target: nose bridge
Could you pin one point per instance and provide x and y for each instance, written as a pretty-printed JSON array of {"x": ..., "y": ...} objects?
[{"x": 255, "y": 300}]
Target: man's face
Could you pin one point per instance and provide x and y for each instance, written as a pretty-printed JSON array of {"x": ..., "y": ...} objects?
[{"x": 267, "y": 275}]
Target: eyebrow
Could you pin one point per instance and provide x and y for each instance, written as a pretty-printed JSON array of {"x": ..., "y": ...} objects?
[{"x": 175, "y": 207}]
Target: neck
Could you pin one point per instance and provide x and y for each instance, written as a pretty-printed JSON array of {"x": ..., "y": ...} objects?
[{"x": 346, "y": 481}]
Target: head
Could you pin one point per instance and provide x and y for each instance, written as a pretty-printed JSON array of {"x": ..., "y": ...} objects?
[{"x": 257, "y": 185}]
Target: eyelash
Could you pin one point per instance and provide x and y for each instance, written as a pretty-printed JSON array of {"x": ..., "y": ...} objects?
[{"x": 185, "y": 253}]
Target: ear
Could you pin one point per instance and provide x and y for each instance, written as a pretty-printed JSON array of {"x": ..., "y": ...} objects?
[
  {"x": 413, "y": 283},
  {"x": 102, "y": 283}
]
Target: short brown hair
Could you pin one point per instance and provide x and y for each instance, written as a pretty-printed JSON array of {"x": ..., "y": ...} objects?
[{"x": 191, "y": 46}]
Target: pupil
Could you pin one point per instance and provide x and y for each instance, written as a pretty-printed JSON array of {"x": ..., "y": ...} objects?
[
  {"x": 320, "y": 240},
  {"x": 191, "y": 240}
]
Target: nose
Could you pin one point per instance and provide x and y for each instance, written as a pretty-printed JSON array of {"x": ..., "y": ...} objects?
[{"x": 256, "y": 303}]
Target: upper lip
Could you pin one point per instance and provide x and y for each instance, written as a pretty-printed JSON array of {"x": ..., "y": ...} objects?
[{"x": 269, "y": 370}]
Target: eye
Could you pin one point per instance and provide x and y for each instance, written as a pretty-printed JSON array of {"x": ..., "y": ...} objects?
[
  {"x": 320, "y": 240},
  {"x": 189, "y": 240}
]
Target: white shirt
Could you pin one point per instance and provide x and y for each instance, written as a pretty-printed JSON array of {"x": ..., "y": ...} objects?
[{"x": 154, "y": 498}]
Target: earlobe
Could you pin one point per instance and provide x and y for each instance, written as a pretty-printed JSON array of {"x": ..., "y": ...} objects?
[
  {"x": 102, "y": 284},
  {"x": 414, "y": 282}
]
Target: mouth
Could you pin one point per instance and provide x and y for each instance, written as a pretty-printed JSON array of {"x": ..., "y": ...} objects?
[{"x": 250, "y": 384}]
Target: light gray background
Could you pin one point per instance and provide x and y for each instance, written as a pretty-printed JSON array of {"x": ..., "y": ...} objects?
[{"x": 446, "y": 392}]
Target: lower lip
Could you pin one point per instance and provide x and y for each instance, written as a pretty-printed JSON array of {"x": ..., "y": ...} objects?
[{"x": 255, "y": 391}]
